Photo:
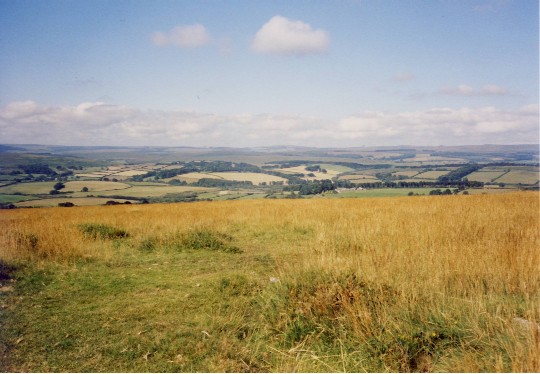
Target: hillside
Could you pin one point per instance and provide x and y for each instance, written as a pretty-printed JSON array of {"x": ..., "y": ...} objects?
[{"x": 421, "y": 283}]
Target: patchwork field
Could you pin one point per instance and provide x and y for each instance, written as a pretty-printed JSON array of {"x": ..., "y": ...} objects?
[
  {"x": 78, "y": 201},
  {"x": 519, "y": 176},
  {"x": 255, "y": 178},
  {"x": 407, "y": 173},
  {"x": 485, "y": 176},
  {"x": 148, "y": 191},
  {"x": 94, "y": 186},
  {"x": 330, "y": 173},
  {"x": 407, "y": 284},
  {"x": 28, "y": 188},
  {"x": 433, "y": 174}
]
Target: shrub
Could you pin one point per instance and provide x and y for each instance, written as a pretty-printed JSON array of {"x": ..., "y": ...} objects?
[
  {"x": 101, "y": 231},
  {"x": 205, "y": 239}
]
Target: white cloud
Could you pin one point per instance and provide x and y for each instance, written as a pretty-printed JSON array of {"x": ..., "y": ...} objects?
[
  {"x": 104, "y": 124},
  {"x": 282, "y": 36},
  {"x": 189, "y": 36},
  {"x": 466, "y": 90}
]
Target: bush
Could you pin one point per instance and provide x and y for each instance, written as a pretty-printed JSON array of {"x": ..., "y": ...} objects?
[
  {"x": 204, "y": 239},
  {"x": 101, "y": 231}
]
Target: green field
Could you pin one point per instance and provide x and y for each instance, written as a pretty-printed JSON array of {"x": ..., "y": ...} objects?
[
  {"x": 381, "y": 192},
  {"x": 31, "y": 188},
  {"x": 78, "y": 201},
  {"x": 94, "y": 186},
  {"x": 519, "y": 176},
  {"x": 433, "y": 174},
  {"x": 14, "y": 198},
  {"x": 147, "y": 191},
  {"x": 485, "y": 176}
]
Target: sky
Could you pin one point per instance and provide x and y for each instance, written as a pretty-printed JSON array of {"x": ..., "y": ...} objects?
[{"x": 246, "y": 73}]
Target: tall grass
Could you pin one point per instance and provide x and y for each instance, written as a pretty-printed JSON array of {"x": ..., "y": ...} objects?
[{"x": 399, "y": 284}]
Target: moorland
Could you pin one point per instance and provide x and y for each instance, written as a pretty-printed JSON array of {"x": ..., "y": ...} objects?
[{"x": 436, "y": 271}]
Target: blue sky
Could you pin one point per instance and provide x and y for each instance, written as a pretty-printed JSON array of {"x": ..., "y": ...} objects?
[{"x": 260, "y": 73}]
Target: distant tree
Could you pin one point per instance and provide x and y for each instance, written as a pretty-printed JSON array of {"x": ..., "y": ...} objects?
[
  {"x": 58, "y": 186},
  {"x": 84, "y": 189}
]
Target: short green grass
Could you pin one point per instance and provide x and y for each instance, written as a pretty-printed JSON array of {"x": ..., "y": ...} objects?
[
  {"x": 191, "y": 310},
  {"x": 14, "y": 198},
  {"x": 381, "y": 192},
  {"x": 29, "y": 188}
]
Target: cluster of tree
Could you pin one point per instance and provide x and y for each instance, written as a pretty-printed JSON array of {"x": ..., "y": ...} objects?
[
  {"x": 177, "y": 182},
  {"x": 38, "y": 169},
  {"x": 213, "y": 182},
  {"x": 222, "y": 166},
  {"x": 458, "y": 174},
  {"x": 446, "y": 192},
  {"x": 311, "y": 187},
  {"x": 419, "y": 184},
  {"x": 316, "y": 168},
  {"x": 358, "y": 166},
  {"x": 44, "y": 171},
  {"x": 290, "y": 164},
  {"x": 112, "y": 202},
  {"x": 399, "y": 157},
  {"x": 56, "y": 188},
  {"x": 200, "y": 166}
]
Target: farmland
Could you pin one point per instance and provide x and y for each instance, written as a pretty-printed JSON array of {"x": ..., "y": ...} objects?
[
  {"x": 137, "y": 175},
  {"x": 422, "y": 283}
]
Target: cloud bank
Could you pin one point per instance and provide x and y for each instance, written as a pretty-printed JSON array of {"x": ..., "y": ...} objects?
[
  {"x": 281, "y": 36},
  {"x": 105, "y": 124},
  {"x": 190, "y": 36},
  {"x": 466, "y": 90}
]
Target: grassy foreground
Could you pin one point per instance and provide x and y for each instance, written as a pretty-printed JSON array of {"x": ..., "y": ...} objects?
[{"x": 427, "y": 283}]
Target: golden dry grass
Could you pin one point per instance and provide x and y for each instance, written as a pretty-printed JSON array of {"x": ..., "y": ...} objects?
[{"x": 449, "y": 273}]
